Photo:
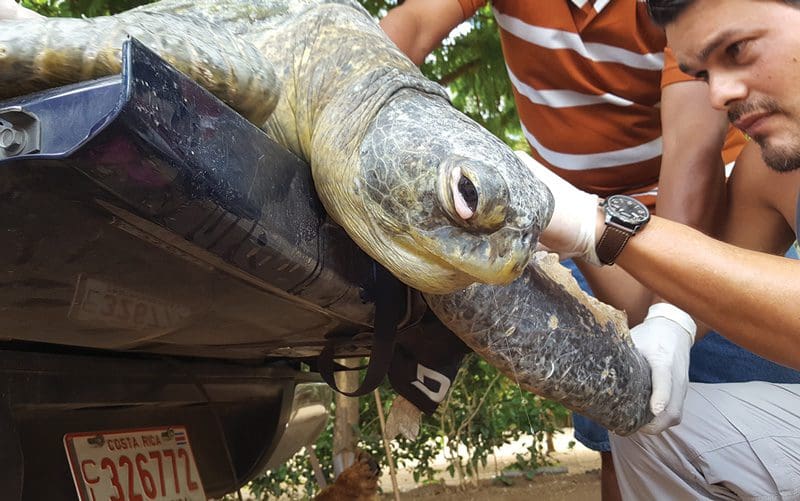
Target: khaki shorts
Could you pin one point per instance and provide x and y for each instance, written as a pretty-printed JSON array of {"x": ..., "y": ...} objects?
[{"x": 736, "y": 441}]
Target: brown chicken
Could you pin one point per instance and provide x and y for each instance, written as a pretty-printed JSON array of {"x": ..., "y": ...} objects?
[{"x": 359, "y": 482}]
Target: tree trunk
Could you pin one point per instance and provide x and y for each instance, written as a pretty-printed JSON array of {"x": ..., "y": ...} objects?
[
  {"x": 319, "y": 475},
  {"x": 551, "y": 446},
  {"x": 345, "y": 420}
]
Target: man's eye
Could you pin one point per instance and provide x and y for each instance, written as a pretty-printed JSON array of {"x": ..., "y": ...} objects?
[{"x": 734, "y": 50}]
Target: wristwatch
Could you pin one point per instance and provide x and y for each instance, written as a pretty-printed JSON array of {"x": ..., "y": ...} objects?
[{"x": 624, "y": 217}]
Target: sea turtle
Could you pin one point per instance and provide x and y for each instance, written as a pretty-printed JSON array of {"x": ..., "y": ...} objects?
[{"x": 428, "y": 193}]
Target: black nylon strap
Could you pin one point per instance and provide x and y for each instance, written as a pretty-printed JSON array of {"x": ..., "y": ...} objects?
[
  {"x": 391, "y": 302},
  {"x": 425, "y": 362}
]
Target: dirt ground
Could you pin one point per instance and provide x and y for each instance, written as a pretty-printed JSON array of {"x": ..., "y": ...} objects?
[
  {"x": 578, "y": 478},
  {"x": 580, "y": 482},
  {"x": 565, "y": 487}
]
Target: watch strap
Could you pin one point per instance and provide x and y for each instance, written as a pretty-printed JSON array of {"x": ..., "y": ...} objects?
[{"x": 611, "y": 244}]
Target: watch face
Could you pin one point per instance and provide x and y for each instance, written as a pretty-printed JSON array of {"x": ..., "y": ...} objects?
[{"x": 627, "y": 209}]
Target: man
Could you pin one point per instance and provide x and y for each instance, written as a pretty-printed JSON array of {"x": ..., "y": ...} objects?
[
  {"x": 736, "y": 440},
  {"x": 587, "y": 79}
]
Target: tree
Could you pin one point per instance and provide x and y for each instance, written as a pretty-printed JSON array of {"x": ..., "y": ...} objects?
[
  {"x": 470, "y": 64},
  {"x": 77, "y": 8},
  {"x": 484, "y": 410}
]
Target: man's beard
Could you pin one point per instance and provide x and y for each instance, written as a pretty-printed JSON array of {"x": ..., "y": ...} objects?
[
  {"x": 784, "y": 159},
  {"x": 781, "y": 159}
]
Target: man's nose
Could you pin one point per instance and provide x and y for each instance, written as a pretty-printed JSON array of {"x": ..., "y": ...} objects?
[{"x": 724, "y": 89}]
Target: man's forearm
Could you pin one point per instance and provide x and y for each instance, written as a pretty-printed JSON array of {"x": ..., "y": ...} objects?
[
  {"x": 417, "y": 27},
  {"x": 691, "y": 187},
  {"x": 698, "y": 199},
  {"x": 741, "y": 293}
]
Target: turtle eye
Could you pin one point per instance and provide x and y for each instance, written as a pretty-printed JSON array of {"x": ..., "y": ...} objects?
[
  {"x": 475, "y": 196},
  {"x": 468, "y": 193},
  {"x": 464, "y": 194}
]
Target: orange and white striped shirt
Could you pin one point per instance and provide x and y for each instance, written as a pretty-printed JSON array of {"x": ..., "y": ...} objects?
[{"x": 587, "y": 79}]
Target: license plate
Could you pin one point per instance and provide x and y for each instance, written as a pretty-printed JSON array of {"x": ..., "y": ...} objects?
[
  {"x": 134, "y": 465},
  {"x": 103, "y": 304}
]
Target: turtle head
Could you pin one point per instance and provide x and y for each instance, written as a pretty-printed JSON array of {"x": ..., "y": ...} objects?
[
  {"x": 448, "y": 203},
  {"x": 424, "y": 190}
]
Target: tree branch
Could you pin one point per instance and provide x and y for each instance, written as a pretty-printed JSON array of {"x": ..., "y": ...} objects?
[
  {"x": 458, "y": 72},
  {"x": 480, "y": 403}
]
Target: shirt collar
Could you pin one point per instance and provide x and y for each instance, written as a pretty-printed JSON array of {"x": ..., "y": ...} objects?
[{"x": 598, "y": 4}]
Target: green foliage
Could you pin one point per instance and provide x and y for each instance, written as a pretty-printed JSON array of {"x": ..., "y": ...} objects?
[
  {"x": 472, "y": 67},
  {"x": 77, "y": 8},
  {"x": 295, "y": 478},
  {"x": 379, "y": 8},
  {"x": 470, "y": 64},
  {"x": 484, "y": 410}
]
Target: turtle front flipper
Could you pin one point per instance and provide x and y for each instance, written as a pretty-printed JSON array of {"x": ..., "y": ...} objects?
[
  {"x": 40, "y": 54},
  {"x": 554, "y": 340}
]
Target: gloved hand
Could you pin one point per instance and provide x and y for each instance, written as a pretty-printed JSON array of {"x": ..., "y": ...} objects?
[
  {"x": 664, "y": 338},
  {"x": 571, "y": 232},
  {"x": 9, "y": 9}
]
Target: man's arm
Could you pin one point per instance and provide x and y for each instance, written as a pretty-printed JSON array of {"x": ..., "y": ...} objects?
[
  {"x": 419, "y": 26},
  {"x": 748, "y": 296},
  {"x": 759, "y": 204},
  {"x": 751, "y": 297},
  {"x": 691, "y": 187}
]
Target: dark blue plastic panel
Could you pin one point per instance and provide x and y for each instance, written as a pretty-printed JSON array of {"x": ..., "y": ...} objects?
[{"x": 153, "y": 217}]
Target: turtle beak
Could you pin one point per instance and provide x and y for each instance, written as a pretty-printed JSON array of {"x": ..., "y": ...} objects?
[
  {"x": 496, "y": 259},
  {"x": 508, "y": 251}
]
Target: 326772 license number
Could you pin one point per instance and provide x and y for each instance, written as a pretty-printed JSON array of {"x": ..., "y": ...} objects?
[{"x": 154, "y": 464}]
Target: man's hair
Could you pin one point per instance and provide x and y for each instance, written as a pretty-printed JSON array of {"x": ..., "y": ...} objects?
[{"x": 664, "y": 12}]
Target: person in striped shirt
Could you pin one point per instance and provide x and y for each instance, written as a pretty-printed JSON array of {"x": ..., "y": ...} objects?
[{"x": 604, "y": 105}]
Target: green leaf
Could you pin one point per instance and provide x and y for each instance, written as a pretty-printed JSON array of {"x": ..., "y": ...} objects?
[{"x": 504, "y": 480}]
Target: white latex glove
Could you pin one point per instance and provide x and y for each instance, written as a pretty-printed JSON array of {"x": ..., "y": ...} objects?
[
  {"x": 571, "y": 232},
  {"x": 9, "y": 9},
  {"x": 664, "y": 338}
]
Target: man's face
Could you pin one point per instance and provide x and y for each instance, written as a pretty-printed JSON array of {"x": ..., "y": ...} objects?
[{"x": 749, "y": 53}]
